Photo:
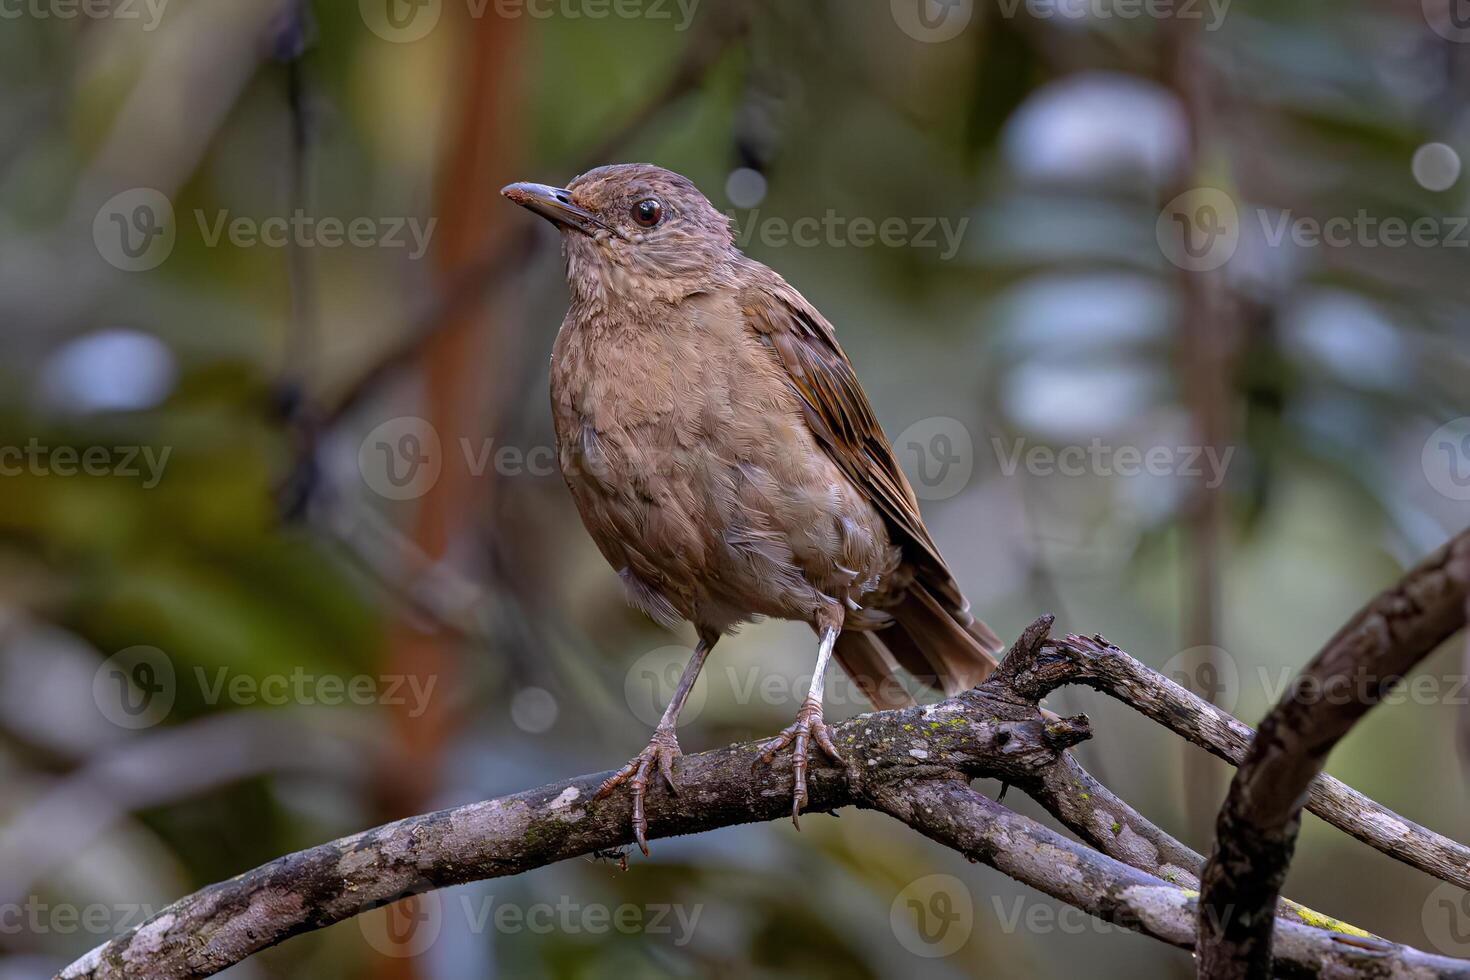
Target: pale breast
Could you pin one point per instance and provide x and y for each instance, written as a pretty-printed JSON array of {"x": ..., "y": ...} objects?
[{"x": 685, "y": 449}]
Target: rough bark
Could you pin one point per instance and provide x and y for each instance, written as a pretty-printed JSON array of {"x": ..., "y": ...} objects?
[
  {"x": 226, "y": 922},
  {"x": 912, "y": 763},
  {"x": 1096, "y": 663},
  {"x": 953, "y": 814},
  {"x": 1258, "y": 824}
]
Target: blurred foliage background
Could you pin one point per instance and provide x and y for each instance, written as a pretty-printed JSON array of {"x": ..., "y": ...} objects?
[{"x": 243, "y": 630}]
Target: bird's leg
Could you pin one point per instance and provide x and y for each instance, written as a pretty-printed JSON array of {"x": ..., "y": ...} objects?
[
  {"x": 662, "y": 749},
  {"x": 807, "y": 728}
]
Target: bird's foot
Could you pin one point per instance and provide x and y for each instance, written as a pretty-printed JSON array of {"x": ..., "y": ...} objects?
[
  {"x": 662, "y": 750},
  {"x": 807, "y": 728}
]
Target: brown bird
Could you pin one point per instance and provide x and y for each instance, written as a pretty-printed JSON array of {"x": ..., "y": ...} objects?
[{"x": 727, "y": 463}]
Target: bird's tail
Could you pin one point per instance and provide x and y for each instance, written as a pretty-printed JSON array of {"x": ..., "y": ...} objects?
[{"x": 945, "y": 648}]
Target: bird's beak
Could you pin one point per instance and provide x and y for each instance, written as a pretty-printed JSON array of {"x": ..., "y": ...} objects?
[{"x": 554, "y": 204}]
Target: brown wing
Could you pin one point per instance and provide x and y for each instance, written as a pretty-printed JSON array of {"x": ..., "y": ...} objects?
[
  {"x": 842, "y": 419},
  {"x": 933, "y": 636}
]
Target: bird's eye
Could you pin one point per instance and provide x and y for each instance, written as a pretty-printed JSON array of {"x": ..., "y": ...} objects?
[{"x": 648, "y": 212}]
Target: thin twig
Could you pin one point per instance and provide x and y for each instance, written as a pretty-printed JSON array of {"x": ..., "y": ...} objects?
[
  {"x": 1095, "y": 662},
  {"x": 1257, "y": 829},
  {"x": 953, "y": 814}
]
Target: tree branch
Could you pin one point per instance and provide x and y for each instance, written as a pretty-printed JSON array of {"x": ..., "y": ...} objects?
[
  {"x": 911, "y": 763},
  {"x": 222, "y": 924},
  {"x": 1096, "y": 663},
  {"x": 1258, "y": 824},
  {"x": 1037, "y": 665},
  {"x": 953, "y": 814}
]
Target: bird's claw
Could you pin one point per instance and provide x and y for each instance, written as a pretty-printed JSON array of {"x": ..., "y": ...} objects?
[
  {"x": 661, "y": 751},
  {"x": 807, "y": 728}
]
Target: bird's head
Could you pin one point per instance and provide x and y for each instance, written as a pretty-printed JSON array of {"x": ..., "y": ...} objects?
[{"x": 634, "y": 230}]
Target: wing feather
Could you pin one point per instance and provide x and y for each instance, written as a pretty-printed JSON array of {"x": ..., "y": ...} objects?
[{"x": 841, "y": 417}]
